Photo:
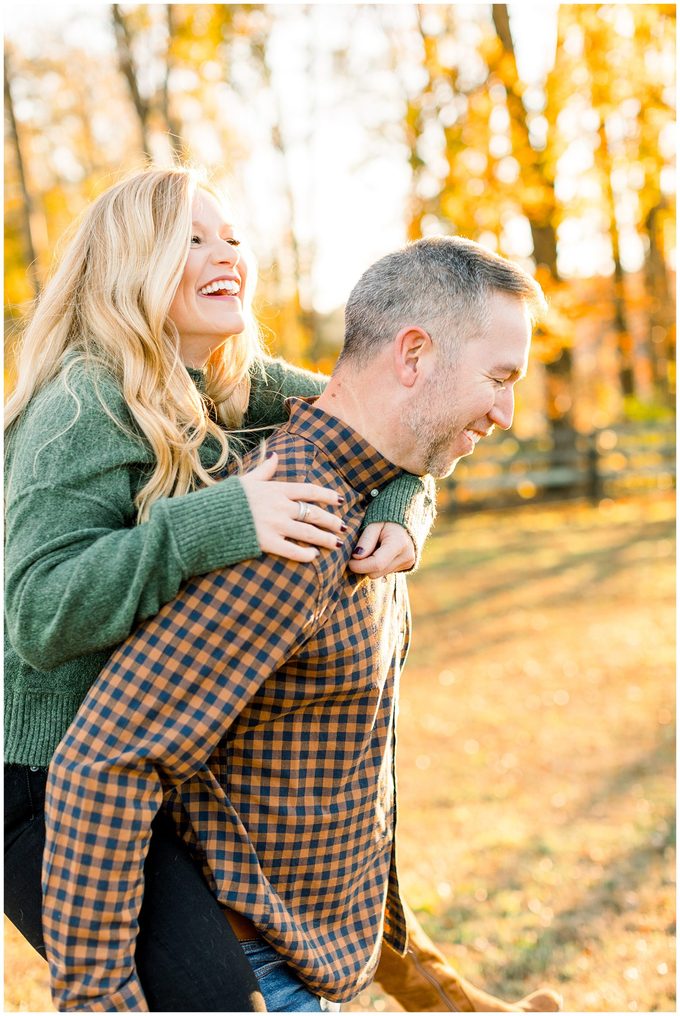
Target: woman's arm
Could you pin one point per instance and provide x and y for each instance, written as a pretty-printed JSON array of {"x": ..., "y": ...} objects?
[
  {"x": 410, "y": 502},
  {"x": 80, "y": 574}
]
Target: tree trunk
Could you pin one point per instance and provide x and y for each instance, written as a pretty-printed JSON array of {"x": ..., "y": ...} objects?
[
  {"x": 126, "y": 64},
  {"x": 27, "y": 206},
  {"x": 173, "y": 124},
  {"x": 661, "y": 314},
  {"x": 623, "y": 335},
  {"x": 544, "y": 236}
]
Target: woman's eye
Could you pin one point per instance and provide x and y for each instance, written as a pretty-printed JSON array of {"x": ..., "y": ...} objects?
[
  {"x": 234, "y": 242},
  {"x": 195, "y": 240}
]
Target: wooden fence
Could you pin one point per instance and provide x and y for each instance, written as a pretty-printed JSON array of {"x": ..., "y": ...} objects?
[{"x": 609, "y": 463}]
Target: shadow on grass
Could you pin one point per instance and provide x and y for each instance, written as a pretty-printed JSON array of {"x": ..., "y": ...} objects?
[
  {"x": 578, "y": 925},
  {"x": 602, "y": 563},
  {"x": 660, "y": 759},
  {"x": 608, "y": 896}
]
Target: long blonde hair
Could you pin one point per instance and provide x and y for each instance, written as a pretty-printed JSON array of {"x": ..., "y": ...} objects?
[{"x": 106, "y": 306}]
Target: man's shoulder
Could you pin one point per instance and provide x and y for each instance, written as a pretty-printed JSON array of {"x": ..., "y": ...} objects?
[{"x": 298, "y": 459}]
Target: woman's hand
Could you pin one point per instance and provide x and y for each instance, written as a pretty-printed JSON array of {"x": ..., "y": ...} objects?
[
  {"x": 275, "y": 509},
  {"x": 384, "y": 547}
]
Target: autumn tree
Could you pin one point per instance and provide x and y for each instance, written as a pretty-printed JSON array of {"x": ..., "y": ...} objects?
[{"x": 489, "y": 152}]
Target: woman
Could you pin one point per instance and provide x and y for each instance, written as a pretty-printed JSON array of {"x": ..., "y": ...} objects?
[{"x": 118, "y": 436}]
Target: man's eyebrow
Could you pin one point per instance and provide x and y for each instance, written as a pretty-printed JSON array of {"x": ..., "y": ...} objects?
[{"x": 516, "y": 373}]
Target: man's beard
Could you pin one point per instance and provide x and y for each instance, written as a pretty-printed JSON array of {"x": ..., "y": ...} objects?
[{"x": 432, "y": 430}]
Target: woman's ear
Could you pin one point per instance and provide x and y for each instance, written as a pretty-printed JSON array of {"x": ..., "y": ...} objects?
[{"x": 411, "y": 347}]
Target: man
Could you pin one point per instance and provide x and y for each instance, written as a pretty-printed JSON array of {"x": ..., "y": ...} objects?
[{"x": 260, "y": 705}]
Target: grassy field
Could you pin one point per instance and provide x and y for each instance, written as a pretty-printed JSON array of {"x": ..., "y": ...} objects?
[{"x": 536, "y": 769}]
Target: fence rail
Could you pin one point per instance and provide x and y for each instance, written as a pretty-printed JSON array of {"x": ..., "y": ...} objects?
[{"x": 612, "y": 462}]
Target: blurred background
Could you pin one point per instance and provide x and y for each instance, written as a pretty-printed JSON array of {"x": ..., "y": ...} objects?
[{"x": 536, "y": 829}]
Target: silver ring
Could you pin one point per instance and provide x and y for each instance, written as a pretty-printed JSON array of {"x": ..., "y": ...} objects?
[{"x": 303, "y": 511}]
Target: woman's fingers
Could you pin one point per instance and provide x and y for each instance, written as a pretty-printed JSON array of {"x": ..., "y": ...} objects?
[
  {"x": 293, "y": 551},
  {"x": 294, "y": 491},
  {"x": 368, "y": 540},
  {"x": 314, "y": 517},
  {"x": 266, "y": 469},
  {"x": 310, "y": 534},
  {"x": 392, "y": 552},
  {"x": 277, "y": 515},
  {"x": 311, "y": 492}
]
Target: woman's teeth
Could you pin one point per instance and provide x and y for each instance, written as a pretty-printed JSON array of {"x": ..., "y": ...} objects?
[{"x": 227, "y": 286}]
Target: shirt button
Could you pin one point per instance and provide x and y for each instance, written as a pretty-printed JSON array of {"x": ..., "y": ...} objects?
[
  {"x": 375, "y": 492},
  {"x": 34, "y": 769}
]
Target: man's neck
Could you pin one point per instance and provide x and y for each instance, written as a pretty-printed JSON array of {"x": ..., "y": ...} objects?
[{"x": 347, "y": 397}]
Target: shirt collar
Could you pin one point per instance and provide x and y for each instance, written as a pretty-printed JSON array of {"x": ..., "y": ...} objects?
[{"x": 364, "y": 468}]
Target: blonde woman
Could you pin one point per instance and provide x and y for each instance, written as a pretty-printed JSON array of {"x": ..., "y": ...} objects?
[
  {"x": 117, "y": 440},
  {"x": 141, "y": 379}
]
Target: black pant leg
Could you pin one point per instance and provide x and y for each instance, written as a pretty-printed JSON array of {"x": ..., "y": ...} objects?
[
  {"x": 24, "y": 793},
  {"x": 188, "y": 958}
]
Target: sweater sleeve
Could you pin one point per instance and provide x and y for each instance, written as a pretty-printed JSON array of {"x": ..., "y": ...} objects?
[
  {"x": 409, "y": 501},
  {"x": 80, "y": 574},
  {"x": 274, "y": 381}
]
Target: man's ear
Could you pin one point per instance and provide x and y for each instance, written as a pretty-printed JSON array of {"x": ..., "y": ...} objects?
[{"x": 411, "y": 347}]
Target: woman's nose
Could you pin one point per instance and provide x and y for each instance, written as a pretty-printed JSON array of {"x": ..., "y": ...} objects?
[{"x": 226, "y": 253}]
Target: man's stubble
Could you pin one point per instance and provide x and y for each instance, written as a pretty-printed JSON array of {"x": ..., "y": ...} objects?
[{"x": 430, "y": 421}]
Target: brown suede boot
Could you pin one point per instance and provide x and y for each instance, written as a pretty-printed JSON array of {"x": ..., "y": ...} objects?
[{"x": 423, "y": 981}]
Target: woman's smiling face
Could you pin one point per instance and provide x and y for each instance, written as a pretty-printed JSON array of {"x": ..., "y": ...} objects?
[{"x": 207, "y": 307}]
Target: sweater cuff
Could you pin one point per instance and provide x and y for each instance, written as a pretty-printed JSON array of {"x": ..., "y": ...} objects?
[
  {"x": 408, "y": 501},
  {"x": 211, "y": 528}
]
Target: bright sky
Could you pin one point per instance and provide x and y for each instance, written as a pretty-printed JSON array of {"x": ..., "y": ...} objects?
[{"x": 351, "y": 205}]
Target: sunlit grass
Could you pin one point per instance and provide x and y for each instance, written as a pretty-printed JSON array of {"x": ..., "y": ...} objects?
[{"x": 536, "y": 757}]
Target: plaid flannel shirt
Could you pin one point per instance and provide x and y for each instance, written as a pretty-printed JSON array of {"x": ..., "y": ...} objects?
[{"x": 259, "y": 707}]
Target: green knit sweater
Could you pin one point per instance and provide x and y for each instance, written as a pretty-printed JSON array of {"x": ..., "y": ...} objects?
[{"x": 80, "y": 574}]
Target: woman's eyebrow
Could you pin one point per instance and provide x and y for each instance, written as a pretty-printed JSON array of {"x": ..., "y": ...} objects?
[{"x": 201, "y": 225}]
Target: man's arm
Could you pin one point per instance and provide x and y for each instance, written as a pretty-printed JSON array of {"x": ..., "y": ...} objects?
[{"x": 151, "y": 720}]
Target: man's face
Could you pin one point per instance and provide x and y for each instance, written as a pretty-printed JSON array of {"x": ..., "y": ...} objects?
[{"x": 461, "y": 401}]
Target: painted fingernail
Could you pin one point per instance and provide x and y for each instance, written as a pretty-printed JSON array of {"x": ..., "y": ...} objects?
[
  {"x": 341, "y": 499},
  {"x": 359, "y": 550},
  {"x": 343, "y": 528},
  {"x": 338, "y": 543},
  {"x": 270, "y": 455}
]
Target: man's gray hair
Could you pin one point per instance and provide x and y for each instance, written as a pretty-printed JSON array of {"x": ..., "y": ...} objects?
[{"x": 441, "y": 283}]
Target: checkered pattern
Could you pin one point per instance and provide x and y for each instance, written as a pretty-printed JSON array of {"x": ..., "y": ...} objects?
[{"x": 259, "y": 707}]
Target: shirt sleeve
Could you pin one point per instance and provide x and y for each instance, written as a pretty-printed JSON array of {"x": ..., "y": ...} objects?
[{"x": 151, "y": 721}]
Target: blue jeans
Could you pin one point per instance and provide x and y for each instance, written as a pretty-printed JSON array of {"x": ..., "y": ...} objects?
[{"x": 281, "y": 987}]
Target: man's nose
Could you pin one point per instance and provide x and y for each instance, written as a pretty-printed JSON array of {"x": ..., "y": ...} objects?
[{"x": 503, "y": 410}]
